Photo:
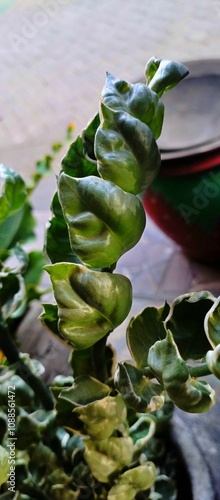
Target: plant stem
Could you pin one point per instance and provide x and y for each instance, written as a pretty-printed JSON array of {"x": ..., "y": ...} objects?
[
  {"x": 12, "y": 354},
  {"x": 99, "y": 359},
  {"x": 199, "y": 371}
]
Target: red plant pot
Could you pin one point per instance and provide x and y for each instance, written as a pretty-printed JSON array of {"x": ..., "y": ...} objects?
[{"x": 184, "y": 201}]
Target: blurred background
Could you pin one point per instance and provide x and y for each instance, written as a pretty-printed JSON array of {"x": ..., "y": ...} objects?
[{"x": 54, "y": 56}]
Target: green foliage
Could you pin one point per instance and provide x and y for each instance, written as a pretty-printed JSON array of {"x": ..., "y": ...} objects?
[
  {"x": 108, "y": 456},
  {"x": 138, "y": 391},
  {"x": 103, "y": 221},
  {"x": 132, "y": 481},
  {"x": 144, "y": 330},
  {"x": 162, "y": 76},
  {"x": 20, "y": 271},
  {"x": 4, "y": 465},
  {"x": 103, "y": 439},
  {"x": 90, "y": 304}
]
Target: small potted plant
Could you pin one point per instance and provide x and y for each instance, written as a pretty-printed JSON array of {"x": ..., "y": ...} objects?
[{"x": 107, "y": 436}]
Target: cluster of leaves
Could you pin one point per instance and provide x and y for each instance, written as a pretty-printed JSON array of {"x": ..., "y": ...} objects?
[
  {"x": 51, "y": 462},
  {"x": 20, "y": 275},
  {"x": 98, "y": 216},
  {"x": 101, "y": 441},
  {"x": 20, "y": 270}
]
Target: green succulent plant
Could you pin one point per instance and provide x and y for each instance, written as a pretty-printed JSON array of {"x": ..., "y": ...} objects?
[{"x": 104, "y": 438}]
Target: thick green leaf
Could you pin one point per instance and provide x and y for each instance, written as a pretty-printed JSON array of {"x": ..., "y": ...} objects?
[
  {"x": 18, "y": 227},
  {"x": 22, "y": 258},
  {"x": 16, "y": 304},
  {"x": 9, "y": 287},
  {"x": 13, "y": 193},
  {"x": 84, "y": 390},
  {"x": 26, "y": 229},
  {"x": 132, "y": 481},
  {"x": 34, "y": 269},
  {"x": 57, "y": 245},
  {"x": 126, "y": 150},
  {"x": 76, "y": 163},
  {"x": 88, "y": 139},
  {"x": 213, "y": 361},
  {"x": 64, "y": 410},
  {"x": 172, "y": 372},
  {"x": 50, "y": 318},
  {"x": 108, "y": 456},
  {"x": 212, "y": 323},
  {"x": 104, "y": 222},
  {"x": 32, "y": 427},
  {"x": 144, "y": 330},
  {"x": 90, "y": 303},
  {"x": 162, "y": 75},
  {"x": 43, "y": 455},
  {"x": 136, "y": 100},
  {"x": 138, "y": 391},
  {"x": 186, "y": 322},
  {"x": 4, "y": 465},
  {"x": 9, "y": 228},
  {"x": 102, "y": 417}
]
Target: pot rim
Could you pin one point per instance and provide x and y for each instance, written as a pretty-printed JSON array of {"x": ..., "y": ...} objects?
[
  {"x": 197, "y": 68},
  {"x": 187, "y": 167}
]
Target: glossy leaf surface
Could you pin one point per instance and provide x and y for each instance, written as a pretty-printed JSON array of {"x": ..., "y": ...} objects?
[
  {"x": 213, "y": 361},
  {"x": 170, "y": 369},
  {"x": 162, "y": 75},
  {"x": 76, "y": 163},
  {"x": 103, "y": 221},
  {"x": 108, "y": 456},
  {"x": 126, "y": 151},
  {"x": 90, "y": 303},
  {"x": 57, "y": 244},
  {"x": 88, "y": 140},
  {"x": 101, "y": 418},
  {"x": 84, "y": 391},
  {"x": 132, "y": 481},
  {"x": 137, "y": 100},
  {"x": 13, "y": 193},
  {"x": 138, "y": 391},
  {"x": 144, "y": 330},
  {"x": 212, "y": 324}
]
